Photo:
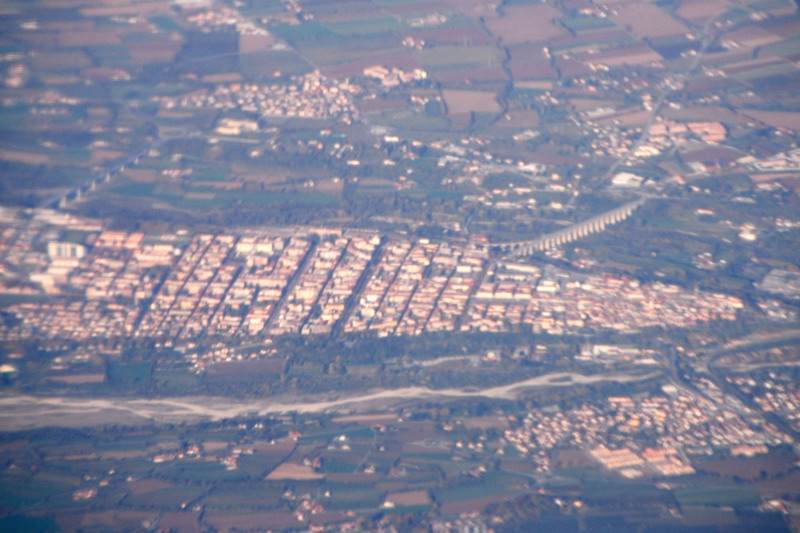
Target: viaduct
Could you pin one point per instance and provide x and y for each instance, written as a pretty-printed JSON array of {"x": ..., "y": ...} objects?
[
  {"x": 62, "y": 200},
  {"x": 577, "y": 231}
]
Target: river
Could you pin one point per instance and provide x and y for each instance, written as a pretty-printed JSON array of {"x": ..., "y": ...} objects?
[{"x": 27, "y": 412}]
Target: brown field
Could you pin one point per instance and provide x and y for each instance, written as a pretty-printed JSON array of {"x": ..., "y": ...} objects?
[
  {"x": 764, "y": 178},
  {"x": 278, "y": 448},
  {"x": 785, "y": 27},
  {"x": 583, "y": 42},
  {"x": 476, "y": 75},
  {"x": 71, "y": 25},
  {"x": 460, "y": 121},
  {"x": 88, "y": 38},
  {"x": 59, "y": 61},
  {"x": 471, "y": 506},
  {"x": 142, "y": 174},
  {"x": 274, "y": 176},
  {"x": 750, "y": 467},
  {"x": 698, "y": 516},
  {"x": 214, "y": 445},
  {"x": 777, "y": 119},
  {"x": 180, "y": 115},
  {"x": 15, "y": 445},
  {"x": 346, "y": 12},
  {"x": 186, "y": 521},
  {"x": 410, "y": 499},
  {"x": 126, "y": 9},
  {"x": 390, "y": 486},
  {"x": 255, "y": 43},
  {"x": 573, "y": 459},
  {"x": 124, "y": 454},
  {"x": 227, "y": 77},
  {"x": 547, "y": 158},
  {"x": 528, "y": 64},
  {"x": 525, "y": 24},
  {"x": 295, "y": 472},
  {"x": 486, "y": 422},
  {"x": 76, "y": 457},
  {"x": 24, "y": 157},
  {"x": 330, "y": 187},
  {"x": 223, "y": 185},
  {"x": 249, "y": 368},
  {"x": 752, "y": 36},
  {"x": 627, "y": 118},
  {"x": 637, "y": 55},
  {"x": 251, "y": 522},
  {"x": 698, "y": 11},
  {"x": 326, "y": 518},
  {"x": 717, "y": 113},
  {"x": 414, "y": 431},
  {"x": 147, "y": 485},
  {"x": 353, "y": 478},
  {"x": 403, "y": 61},
  {"x": 376, "y": 182},
  {"x": 117, "y": 520},
  {"x": 100, "y": 73},
  {"x": 716, "y": 154},
  {"x": 39, "y": 39},
  {"x": 788, "y": 483},
  {"x": 585, "y": 104},
  {"x": 647, "y": 21},
  {"x": 366, "y": 420},
  {"x": 57, "y": 79},
  {"x": 571, "y": 67},
  {"x": 471, "y": 35},
  {"x": 371, "y": 105},
  {"x": 540, "y": 85},
  {"x": 414, "y": 8},
  {"x": 470, "y": 101},
  {"x": 473, "y": 8},
  {"x": 153, "y": 52},
  {"x": 199, "y": 195},
  {"x": 743, "y": 68},
  {"x": 79, "y": 379}
]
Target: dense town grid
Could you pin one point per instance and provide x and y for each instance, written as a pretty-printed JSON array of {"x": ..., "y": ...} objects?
[{"x": 318, "y": 281}]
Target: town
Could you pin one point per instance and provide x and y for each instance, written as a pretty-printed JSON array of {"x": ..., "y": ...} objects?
[{"x": 321, "y": 281}]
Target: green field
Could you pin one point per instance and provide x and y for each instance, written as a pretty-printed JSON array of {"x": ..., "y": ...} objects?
[
  {"x": 15, "y": 492},
  {"x": 309, "y": 31},
  {"x": 355, "y": 497},
  {"x": 166, "y": 498},
  {"x": 109, "y": 53},
  {"x": 365, "y": 26},
  {"x": 465, "y": 492},
  {"x": 127, "y": 372},
  {"x": 582, "y": 23},
  {"x": 27, "y": 524},
  {"x": 721, "y": 496},
  {"x": 325, "y": 435},
  {"x": 199, "y": 472},
  {"x": 218, "y": 199}
]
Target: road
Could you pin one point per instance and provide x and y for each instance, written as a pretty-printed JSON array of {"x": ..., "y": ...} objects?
[{"x": 748, "y": 343}]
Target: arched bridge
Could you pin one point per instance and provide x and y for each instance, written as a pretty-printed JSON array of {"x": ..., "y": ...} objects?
[{"x": 577, "y": 231}]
